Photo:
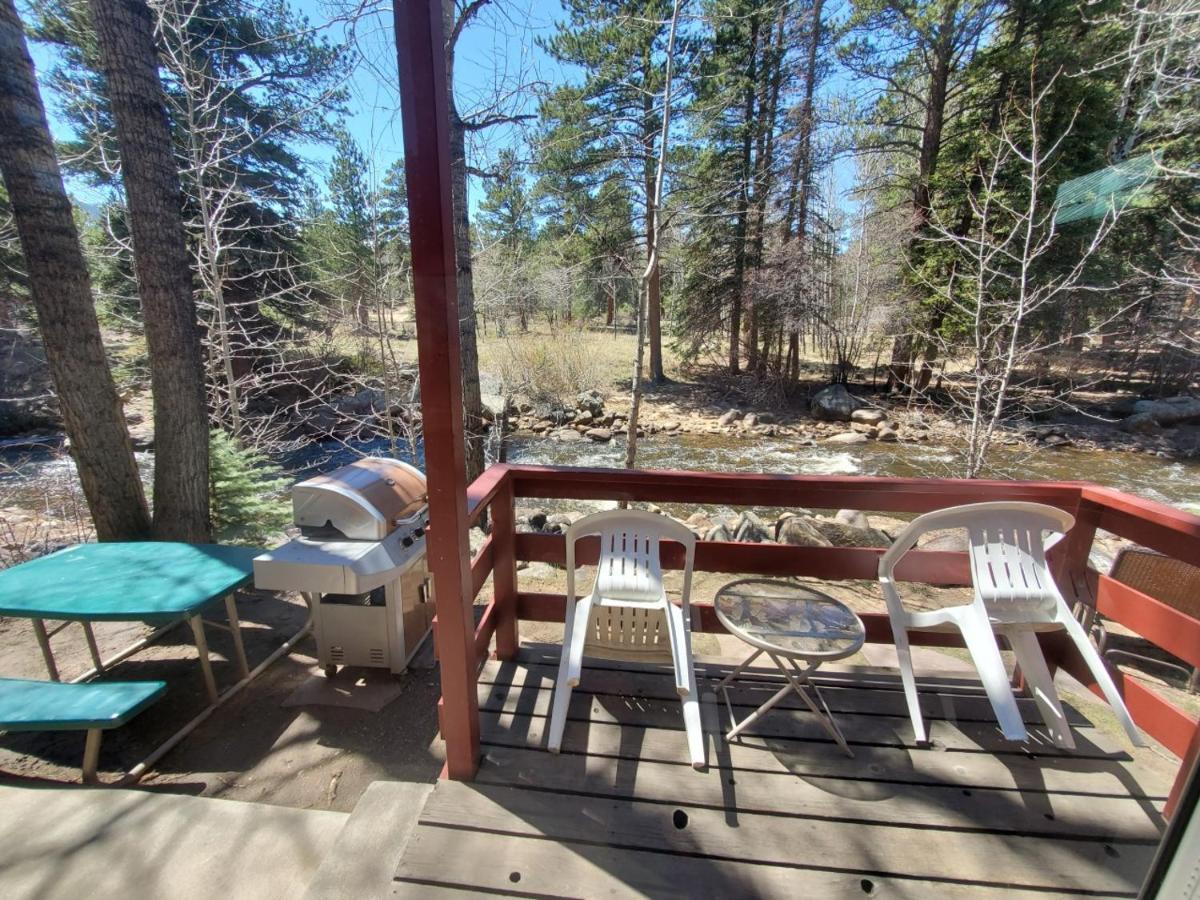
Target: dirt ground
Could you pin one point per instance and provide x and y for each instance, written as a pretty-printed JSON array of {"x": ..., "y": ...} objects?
[{"x": 252, "y": 748}]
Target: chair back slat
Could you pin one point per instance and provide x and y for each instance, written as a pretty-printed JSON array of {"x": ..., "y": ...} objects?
[
  {"x": 1008, "y": 563},
  {"x": 629, "y": 567}
]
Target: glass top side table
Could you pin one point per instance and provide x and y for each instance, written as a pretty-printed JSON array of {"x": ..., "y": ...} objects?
[{"x": 799, "y": 628}]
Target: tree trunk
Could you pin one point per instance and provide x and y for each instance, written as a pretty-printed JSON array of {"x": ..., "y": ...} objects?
[
  {"x": 469, "y": 342},
  {"x": 62, "y": 295},
  {"x": 125, "y": 32},
  {"x": 654, "y": 278},
  {"x": 652, "y": 234}
]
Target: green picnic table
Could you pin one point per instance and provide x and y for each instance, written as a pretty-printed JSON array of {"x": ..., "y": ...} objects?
[{"x": 157, "y": 582}]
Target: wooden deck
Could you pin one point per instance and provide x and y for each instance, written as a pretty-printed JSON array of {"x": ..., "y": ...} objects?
[{"x": 784, "y": 813}]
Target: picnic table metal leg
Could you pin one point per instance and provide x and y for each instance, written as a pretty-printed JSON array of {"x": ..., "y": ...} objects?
[
  {"x": 93, "y": 647},
  {"x": 235, "y": 628},
  {"x": 91, "y": 755},
  {"x": 210, "y": 682},
  {"x": 43, "y": 639}
]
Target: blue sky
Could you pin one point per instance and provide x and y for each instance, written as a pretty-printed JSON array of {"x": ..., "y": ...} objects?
[{"x": 496, "y": 55}]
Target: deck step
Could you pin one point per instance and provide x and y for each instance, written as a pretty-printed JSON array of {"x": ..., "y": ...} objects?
[
  {"x": 100, "y": 843},
  {"x": 362, "y": 861}
]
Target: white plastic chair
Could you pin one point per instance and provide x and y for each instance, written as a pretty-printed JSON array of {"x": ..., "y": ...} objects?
[
  {"x": 627, "y": 615},
  {"x": 1016, "y": 596}
]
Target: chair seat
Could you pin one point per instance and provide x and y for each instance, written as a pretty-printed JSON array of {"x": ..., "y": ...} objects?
[{"x": 53, "y": 706}]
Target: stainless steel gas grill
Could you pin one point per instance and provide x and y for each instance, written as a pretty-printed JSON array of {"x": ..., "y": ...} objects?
[{"x": 359, "y": 562}]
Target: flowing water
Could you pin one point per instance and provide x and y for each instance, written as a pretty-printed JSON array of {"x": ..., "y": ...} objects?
[{"x": 28, "y": 473}]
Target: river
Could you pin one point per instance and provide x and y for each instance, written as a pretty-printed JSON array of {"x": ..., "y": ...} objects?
[{"x": 28, "y": 473}]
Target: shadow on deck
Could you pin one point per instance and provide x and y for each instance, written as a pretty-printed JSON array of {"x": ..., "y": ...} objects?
[{"x": 783, "y": 813}]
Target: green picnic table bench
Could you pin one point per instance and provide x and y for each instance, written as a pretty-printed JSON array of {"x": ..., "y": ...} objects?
[{"x": 93, "y": 707}]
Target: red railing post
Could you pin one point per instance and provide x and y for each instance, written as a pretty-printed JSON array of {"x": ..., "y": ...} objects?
[
  {"x": 504, "y": 571},
  {"x": 421, "y": 55}
]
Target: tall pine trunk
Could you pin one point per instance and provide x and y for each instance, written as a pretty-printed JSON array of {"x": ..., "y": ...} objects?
[
  {"x": 468, "y": 337},
  {"x": 125, "y": 33},
  {"x": 62, "y": 295}
]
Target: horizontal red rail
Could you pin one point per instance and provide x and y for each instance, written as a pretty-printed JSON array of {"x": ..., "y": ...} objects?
[
  {"x": 813, "y": 491},
  {"x": 936, "y": 567},
  {"x": 1160, "y": 624}
]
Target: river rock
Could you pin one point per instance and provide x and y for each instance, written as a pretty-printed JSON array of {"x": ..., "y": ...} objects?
[
  {"x": 567, "y": 435},
  {"x": 887, "y": 433},
  {"x": 834, "y": 404},
  {"x": 537, "y": 521},
  {"x": 750, "y": 529},
  {"x": 854, "y": 517},
  {"x": 868, "y": 416},
  {"x": 590, "y": 401},
  {"x": 798, "y": 531},
  {"x": 749, "y": 420},
  {"x": 584, "y": 418},
  {"x": 847, "y": 437},
  {"x": 599, "y": 435},
  {"x": 729, "y": 417},
  {"x": 699, "y": 522},
  {"x": 718, "y": 533}
]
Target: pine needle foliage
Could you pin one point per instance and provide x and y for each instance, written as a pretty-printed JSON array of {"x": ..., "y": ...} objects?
[{"x": 246, "y": 493}]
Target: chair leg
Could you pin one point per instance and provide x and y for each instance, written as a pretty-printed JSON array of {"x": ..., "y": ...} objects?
[
  {"x": 1102, "y": 676},
  {"x": 909, "y": 680},
  {"x": 697, "y": 749},
  {"x": 681, "y": 650},
  {"x": 981, "y": 642},
  {"x": 562, "y": 684},
  {"x": 1041, "y": 684},
  {"x": 576, "y": 631},
  {"x": 685, "y": 684}
]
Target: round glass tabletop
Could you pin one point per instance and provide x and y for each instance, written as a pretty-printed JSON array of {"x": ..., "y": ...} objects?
[{"x": 789, "y": 619}]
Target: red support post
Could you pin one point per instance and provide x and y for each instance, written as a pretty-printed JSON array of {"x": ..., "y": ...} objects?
[
  {"x": 504, "y": 571},
  {"x": 421, "y": 55}
]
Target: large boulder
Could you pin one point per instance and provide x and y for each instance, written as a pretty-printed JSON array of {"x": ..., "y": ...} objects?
[
  {"x": 839, "y": 534},
  {"x": 729, "y": 417},
  {"x": 799, "y": 531},
  {"x": 834, "y": 404},
  {"x": 599, "y": 435},
  {"x": 1150, "y": 415}
]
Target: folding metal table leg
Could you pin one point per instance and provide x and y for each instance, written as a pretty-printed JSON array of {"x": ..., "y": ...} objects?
[
  {"x": 43, "y": 639},
  {"x": 235, "y": 629},
  {"x": 824, "y": 716},
  {"x": 210, "y": 682}
]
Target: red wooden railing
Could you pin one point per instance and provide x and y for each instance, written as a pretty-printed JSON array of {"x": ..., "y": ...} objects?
[{"x": 1148, "y": 524}]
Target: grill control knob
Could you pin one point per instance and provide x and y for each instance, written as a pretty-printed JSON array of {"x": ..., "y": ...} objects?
[
  {"x": 407, "y": 541},
  {"x": 418, "y": 531}
]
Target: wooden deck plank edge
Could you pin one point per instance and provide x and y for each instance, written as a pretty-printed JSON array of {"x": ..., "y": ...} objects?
[{"x": 1055, "y": 889}]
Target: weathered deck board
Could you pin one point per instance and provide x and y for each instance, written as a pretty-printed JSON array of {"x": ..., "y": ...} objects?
[
  {"x": 1107, "y": 818},
  {"x": 475, "y": 862},
  {"x": 873, "y": 730},
  {"x": 1112, "y": 778},
  {"x": 620, "y": 812},
  {"x": 975, "y": 857},
  {"x": 842, "y": 696}
]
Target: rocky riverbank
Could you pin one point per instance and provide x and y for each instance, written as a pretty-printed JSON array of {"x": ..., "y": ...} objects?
[{"x": 835, "y": 416}]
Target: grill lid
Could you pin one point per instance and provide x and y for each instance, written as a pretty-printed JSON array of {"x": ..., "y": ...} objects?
[{"x": 364, "y": 501}]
